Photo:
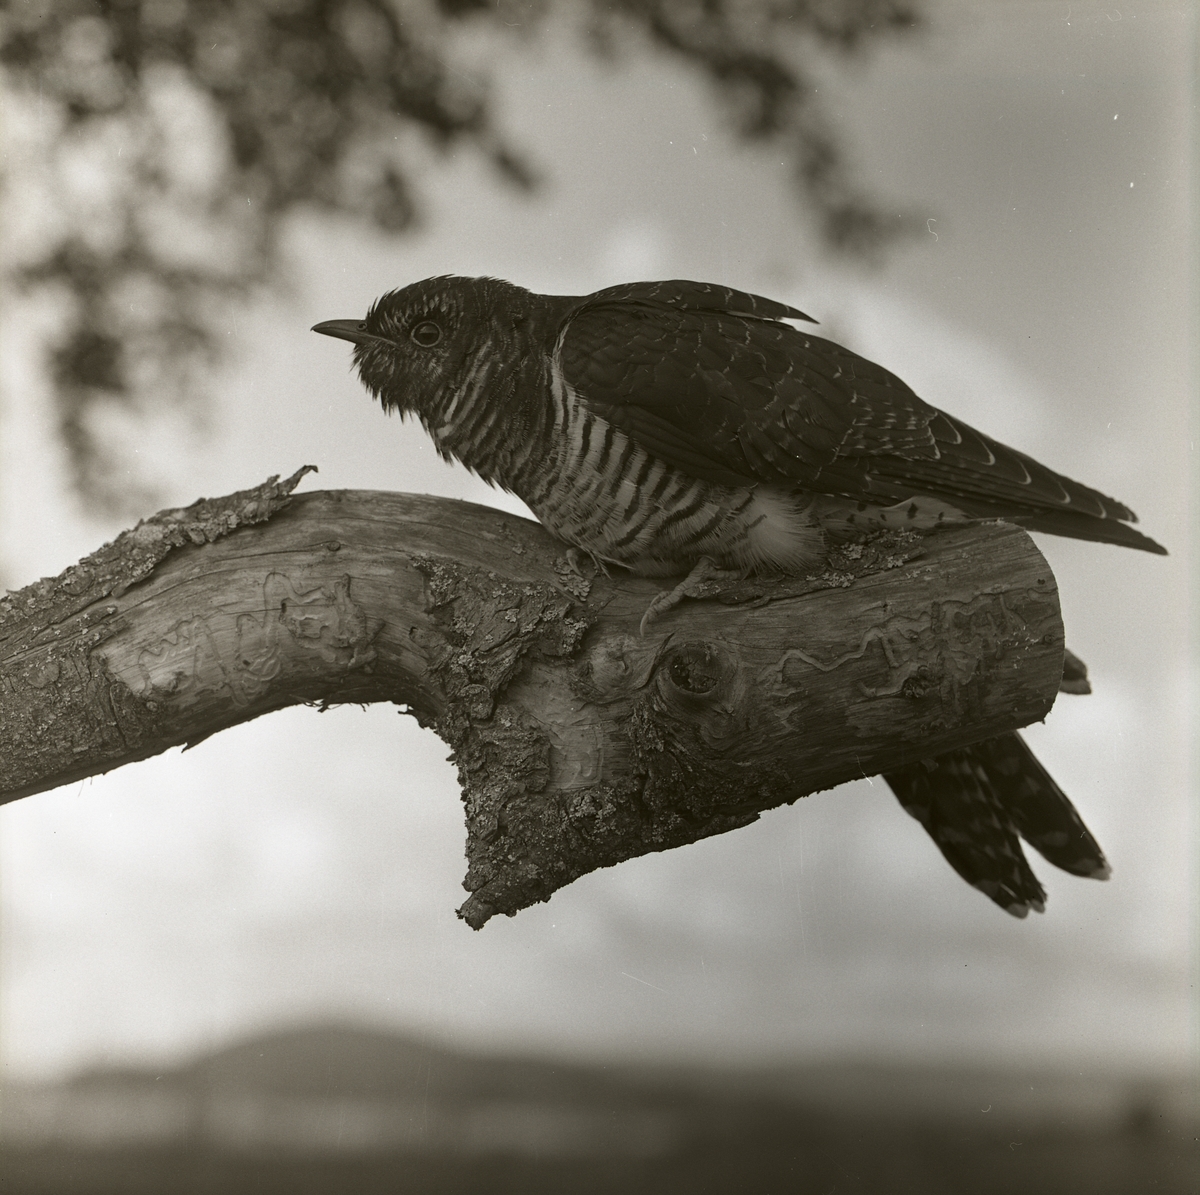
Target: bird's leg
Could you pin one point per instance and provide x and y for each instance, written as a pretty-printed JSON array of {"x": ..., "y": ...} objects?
[{"x": 702, "y": 581}]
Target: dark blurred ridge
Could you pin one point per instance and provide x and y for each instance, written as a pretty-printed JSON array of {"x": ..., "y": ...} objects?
[{"x": 338, "y": 1107}]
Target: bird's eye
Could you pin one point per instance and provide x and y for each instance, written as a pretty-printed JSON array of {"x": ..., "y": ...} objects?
[{"x": 426, "y": 334}]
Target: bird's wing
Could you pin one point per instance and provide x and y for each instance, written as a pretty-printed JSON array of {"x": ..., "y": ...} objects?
[
  {"x": 710, "y": 380},
  {"x": 724, "y": 396}
]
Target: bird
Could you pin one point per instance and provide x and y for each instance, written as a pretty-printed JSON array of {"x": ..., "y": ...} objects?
[{"x": 687, "y": 429}]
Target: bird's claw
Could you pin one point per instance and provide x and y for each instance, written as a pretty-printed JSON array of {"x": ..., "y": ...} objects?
[
  {"x": 662, "y": 603},
  {"x": 574, "y": 561},
  {"x": 697, "y": 584}
]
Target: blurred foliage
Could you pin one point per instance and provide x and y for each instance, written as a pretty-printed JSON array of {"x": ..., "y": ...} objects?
[{"x": 172, "y": 138}]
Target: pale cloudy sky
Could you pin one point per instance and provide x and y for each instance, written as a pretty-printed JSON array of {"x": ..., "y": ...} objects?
[{"x": 310, "y": 864}]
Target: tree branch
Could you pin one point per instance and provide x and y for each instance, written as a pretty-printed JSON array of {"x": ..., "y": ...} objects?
[{"x": 579, "y": 743}]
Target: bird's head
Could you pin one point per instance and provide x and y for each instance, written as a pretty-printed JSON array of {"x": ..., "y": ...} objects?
[{"x": 418, "y": 344}]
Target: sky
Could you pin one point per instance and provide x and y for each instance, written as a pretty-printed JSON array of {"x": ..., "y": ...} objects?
[{"x": 308, "y": 865}]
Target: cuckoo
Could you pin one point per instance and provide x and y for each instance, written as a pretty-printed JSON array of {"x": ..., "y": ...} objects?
[{"x": 683, "y": 429}]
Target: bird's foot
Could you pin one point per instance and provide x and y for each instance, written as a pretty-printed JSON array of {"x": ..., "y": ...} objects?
[
  {"x": 576, "y": 558},
  {"x": 703, "y": 581}
]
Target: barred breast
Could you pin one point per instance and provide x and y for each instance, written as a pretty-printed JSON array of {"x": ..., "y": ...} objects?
[
  {"x": 592, "y": 486},
  {"x": 600, "y": 491}
]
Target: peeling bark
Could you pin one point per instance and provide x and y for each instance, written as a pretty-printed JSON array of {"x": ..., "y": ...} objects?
[{"x": 579, "y": 742}]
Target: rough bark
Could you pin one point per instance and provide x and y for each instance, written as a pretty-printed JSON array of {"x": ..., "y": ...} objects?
[{"x": 579, "y": 742}]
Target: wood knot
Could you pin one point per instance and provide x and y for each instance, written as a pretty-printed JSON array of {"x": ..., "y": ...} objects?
[
  {"x": 694, "y": 668},
  {"x": 699, "y": 680}
]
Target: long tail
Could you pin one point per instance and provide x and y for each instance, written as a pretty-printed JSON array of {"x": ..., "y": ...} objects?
[{"x": 978, "y": 802}]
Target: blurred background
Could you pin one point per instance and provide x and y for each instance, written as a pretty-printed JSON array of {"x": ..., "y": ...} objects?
[{"x": 241, "y": 964}]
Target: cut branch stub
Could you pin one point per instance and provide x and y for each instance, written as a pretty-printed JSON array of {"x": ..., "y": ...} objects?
[{"x": 579, "y": 742}]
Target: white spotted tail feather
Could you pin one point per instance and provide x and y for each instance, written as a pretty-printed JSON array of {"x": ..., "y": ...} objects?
[{"x": 976, "y": 803}]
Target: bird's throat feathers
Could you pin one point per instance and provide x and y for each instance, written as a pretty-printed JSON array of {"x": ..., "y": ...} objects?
[{"x": 454, "y": 356}]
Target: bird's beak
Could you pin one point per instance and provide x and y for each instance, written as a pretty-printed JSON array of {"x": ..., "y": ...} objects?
[{"x": 353, "y": 330}]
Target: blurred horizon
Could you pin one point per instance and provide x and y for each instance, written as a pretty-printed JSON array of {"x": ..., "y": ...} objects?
[
  {"x": 307, "y": 865},
  {"x": 360, "y": 1105}
]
